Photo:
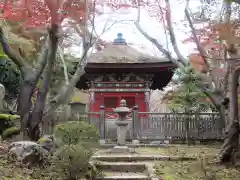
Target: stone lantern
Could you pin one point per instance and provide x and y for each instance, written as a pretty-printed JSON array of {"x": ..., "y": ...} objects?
[{"x": 122, "y": 124}]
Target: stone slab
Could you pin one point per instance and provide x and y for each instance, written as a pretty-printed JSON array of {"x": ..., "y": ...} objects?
[
  {"x": 133, "y": 145},
  {"x": 135, "y": 142},
  {"x": 121, "y": 149},
  {"x": 102, "y": 142},
  {"x": 132, "y": 158},
  {"x": 125, "y": 177},
  {"x": 122, "y": 166}
]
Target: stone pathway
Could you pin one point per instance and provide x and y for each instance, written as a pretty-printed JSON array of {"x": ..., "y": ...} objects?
[
  {"x": 130, "y": 166},
  {"x": 125, "y": 176},
  {"x": 115, "y": 168},
  {"x": 133, "y": 158}
]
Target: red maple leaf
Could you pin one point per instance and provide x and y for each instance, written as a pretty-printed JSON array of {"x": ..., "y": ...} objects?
[{"x": 33, "y": 13}]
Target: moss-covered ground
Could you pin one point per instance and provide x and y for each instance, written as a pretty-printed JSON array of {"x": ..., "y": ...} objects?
[{"x": 205, "y": 168}]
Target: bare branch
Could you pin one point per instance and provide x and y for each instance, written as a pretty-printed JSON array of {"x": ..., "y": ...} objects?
[
  {"x": 199, "y": 47},
  {"x": 12, "y": 54},
  {"x": 172, "y": 35},
  {"x": 79, "y": 30},
  {"x": 52, "y": 51},
  {"x": 107, "y": 27},
  {"x": 164, "y": 26},
  {"x": 226, "y": 79},
  {"x": 65, "y": 69},
  {"x": 66, "y": 90},
  {"x": 154, "y": 41},
  {"x": 42, "y": 59},
  {"x": 89, "y": 44},
  {"x": 85, "y": 30}
]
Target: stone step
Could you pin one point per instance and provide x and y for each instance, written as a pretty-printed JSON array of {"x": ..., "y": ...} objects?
[
  {"x": 136, "y": 145},
  {"x": 132, "y": 158},
  {"x": 123, "y": 176},
  {"x": 122, "y": 166}
]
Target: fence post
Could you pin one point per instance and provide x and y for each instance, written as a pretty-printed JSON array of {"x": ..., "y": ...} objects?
[
  {"x": 102, "y": 125},
  {"x": 134, "y": 123}
]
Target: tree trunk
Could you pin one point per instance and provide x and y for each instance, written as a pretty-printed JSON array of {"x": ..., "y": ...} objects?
[
  {"x": 230, "y": 145},
  {"x": 37, "y": 113},
  {"x": 30, "y": 77},
  {"x": 231, "y": 140},
  {"x": 25, "y": 104}
]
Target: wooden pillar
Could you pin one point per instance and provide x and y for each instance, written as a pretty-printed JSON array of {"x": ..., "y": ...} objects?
[
  {"x": 102, "y": 123},
  {"x": 147, "y": 96},
  {"x": 135, "y": 123},
  {"x": 91, "y": 96}
]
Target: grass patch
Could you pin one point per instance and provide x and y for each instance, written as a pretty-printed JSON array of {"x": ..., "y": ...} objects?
[
  {"x": 174, "y": 150},
  {"x": 13, "y": 171},
  {"x": 181, "y": 150},
  {"x": 194, "y": 170},
  {"x": 205, "y": 168}
]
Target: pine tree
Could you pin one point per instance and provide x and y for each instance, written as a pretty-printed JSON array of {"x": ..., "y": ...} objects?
[{"x": 188, "y": 99}]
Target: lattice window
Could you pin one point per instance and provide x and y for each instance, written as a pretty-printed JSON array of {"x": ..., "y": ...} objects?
[
  {"x": 130, "y": 101},
  {"x": 110, "y": 102}
]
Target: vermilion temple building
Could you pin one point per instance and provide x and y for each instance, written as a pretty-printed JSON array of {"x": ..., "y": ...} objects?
[{"x": 121, "y": 72}]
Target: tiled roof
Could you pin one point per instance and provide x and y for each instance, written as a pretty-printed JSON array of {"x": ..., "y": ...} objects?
[{"x": 120, "y": 52}]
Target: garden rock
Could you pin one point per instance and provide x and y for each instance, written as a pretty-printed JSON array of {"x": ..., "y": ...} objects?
[
  {"x": 27, "y": 152},
  {"x": 47, "y": 143}
]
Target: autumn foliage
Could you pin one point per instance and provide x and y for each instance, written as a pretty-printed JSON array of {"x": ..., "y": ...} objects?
[
  {"x": 34, "y": 13},
  {"x": 215, "y": 39}
]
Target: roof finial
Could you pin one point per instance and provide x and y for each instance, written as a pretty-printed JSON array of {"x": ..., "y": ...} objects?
[{"x": 119, "y": 40}]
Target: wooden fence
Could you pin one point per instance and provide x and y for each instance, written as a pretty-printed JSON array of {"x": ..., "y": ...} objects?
[
  {"x": 149, "y": 125},
  {"x": 177, "y": 126},
  {"x": 58, "y": 117}
]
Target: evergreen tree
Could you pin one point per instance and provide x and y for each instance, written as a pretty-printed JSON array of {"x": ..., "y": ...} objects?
[{"x": 188, "y": 98}]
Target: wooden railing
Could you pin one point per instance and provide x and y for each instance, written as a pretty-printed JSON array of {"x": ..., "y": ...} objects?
[
  {"x": 149, "y": 125},
  {"x": 178, "y": 126}
]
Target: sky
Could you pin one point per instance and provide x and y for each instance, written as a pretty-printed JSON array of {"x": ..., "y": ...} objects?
[
  {"x": 124, "y": 23},
  {"x": 133, "y": 36}
]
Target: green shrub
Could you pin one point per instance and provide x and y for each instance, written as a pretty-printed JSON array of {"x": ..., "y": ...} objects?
[
  {"x": 7, "y": 121},
  {"x": 8, "y": 133},
  {"x": 75, "y": 141},
  {"x": 9, "y": 117},
  {"x": 75, "y": 132},
  {"x": 72, "y": 162}
]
